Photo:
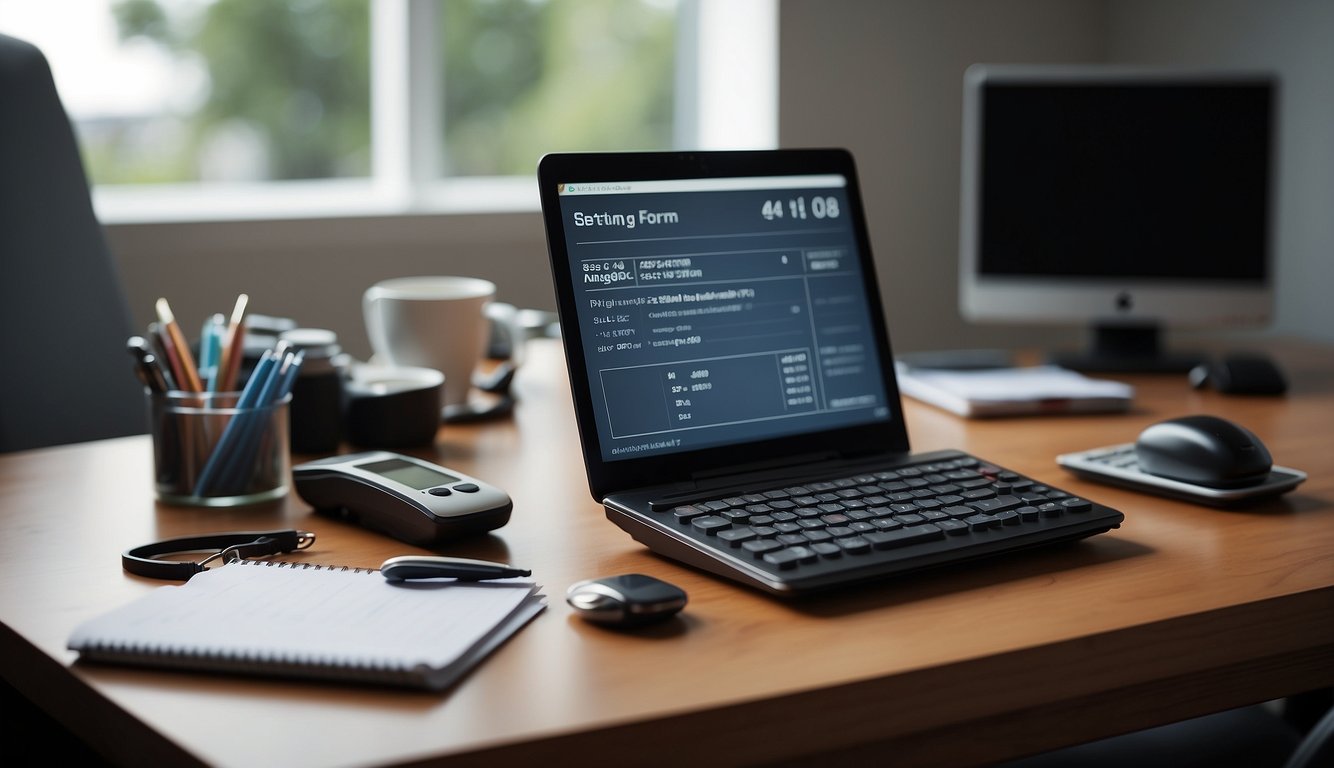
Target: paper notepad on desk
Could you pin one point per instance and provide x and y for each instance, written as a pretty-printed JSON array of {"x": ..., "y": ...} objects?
[
  {"x": 1013, "y": 391},
  {"x": 330, "y": 623}
]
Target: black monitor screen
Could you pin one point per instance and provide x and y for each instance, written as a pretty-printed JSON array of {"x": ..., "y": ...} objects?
[
  {"x": 720, "y": 311},
  {"x": 1152, "y": 179}
]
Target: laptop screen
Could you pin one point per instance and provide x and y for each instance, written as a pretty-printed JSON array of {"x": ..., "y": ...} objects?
[{"x": 717, "y": 311}]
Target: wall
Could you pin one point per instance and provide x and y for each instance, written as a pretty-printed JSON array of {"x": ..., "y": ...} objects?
[
  {"x": 885, "y": 79},
  {"x": 882, "y": 78},
  {"x": 316, "y": 270},
  {"x": 1296, "y": 39}
]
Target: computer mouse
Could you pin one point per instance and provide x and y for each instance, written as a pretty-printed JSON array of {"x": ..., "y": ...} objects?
[
  {"x": 1204, "y": 450},
  {"x": 1241, "y": 374},
  {"x": 630, "y": 599}
]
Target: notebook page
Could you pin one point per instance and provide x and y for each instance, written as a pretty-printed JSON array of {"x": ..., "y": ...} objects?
[{"x": 257, "y": 611}]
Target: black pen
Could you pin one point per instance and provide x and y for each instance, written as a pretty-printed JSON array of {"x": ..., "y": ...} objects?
[
  {"x": 428, "y": 567},
  {"x": 146, "y": 366},
  {"x": 153, "y": 343}
]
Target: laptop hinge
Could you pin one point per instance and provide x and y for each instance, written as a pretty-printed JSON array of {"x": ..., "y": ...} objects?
[
  {"x": 762, "y": 472},
  {"x": 759, "y": 467},
  {"x": 808, "y": 466}
]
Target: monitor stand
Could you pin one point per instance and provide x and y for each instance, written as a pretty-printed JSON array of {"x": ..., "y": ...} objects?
[{"x": 1127, "y": 349}]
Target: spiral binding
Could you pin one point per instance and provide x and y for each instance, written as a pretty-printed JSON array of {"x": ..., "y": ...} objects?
[{"x": 307, "y": 566}]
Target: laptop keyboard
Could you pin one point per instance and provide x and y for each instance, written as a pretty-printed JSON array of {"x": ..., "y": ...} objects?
[{"x": 877, "y": 522}]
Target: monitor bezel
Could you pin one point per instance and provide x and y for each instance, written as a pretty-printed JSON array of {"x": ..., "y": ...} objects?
[
  {"x": 606, "y": 477},
  {"x": 1102, "y": 301}
]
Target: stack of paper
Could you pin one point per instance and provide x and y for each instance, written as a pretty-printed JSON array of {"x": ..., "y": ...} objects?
[{"x": 1013, "y": 391}]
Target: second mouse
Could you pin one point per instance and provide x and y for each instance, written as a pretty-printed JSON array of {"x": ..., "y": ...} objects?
[
  {"x": 1205, "y": 450},
  {"x": 627, "y": 600}
]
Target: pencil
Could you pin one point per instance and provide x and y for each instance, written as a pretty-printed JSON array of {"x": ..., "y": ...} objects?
[
  {"x": 233, "y": 347},
  {"x": 178, "y": 350}
]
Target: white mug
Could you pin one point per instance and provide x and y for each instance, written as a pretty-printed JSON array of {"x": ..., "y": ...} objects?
[{"x": 430, "y": 322}]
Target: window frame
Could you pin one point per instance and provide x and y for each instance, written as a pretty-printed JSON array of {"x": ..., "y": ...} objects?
[{"x": 726, "y": 98}]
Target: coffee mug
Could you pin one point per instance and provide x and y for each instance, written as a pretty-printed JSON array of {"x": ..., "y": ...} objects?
[{"x": 430, "y": 322}]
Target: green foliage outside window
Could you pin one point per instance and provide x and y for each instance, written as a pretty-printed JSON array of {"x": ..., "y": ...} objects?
[
  {"x": 524, "y": 78},
  {"x": 287, "y": 87},
  {"x": 293, "y": 78}
]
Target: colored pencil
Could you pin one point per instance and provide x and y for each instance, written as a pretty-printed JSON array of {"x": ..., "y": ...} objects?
[
  {"x": 233, "y": 347},
  {"x": 178, "y": 350}
]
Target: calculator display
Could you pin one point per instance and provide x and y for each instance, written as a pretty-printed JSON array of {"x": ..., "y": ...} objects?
[{"x": 407, "y": 473}]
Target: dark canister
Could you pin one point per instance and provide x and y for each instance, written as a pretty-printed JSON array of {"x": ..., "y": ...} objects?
[{"x": 316, "y": 410}]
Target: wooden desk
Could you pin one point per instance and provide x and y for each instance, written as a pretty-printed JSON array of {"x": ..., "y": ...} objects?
[{"x": 1182, "y": 611}]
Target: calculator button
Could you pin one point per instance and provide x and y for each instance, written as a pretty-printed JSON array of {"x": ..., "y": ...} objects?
[
  {"x": 467, "y": 488},
  {"x": 441, "y": 491}
]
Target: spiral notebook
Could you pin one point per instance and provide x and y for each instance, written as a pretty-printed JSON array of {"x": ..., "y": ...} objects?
[{"x": 323, "y": 622}]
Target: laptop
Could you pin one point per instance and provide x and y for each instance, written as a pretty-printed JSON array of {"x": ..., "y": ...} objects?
[{"x": 734, "y": 384}]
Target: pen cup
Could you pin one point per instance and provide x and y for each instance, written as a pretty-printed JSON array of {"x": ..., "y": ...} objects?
[{"x": 208, "y": 452}]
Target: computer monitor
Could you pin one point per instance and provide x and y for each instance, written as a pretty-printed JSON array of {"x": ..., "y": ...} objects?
[{"x": 1128, "y": 199}]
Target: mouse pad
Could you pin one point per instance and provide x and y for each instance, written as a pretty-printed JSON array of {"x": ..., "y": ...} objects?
[{"x": 1118, "y": 465}]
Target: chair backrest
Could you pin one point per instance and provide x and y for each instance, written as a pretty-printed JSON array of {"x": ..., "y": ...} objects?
[
  {"x": 64, "y": 373},
  {"x": 1317, "y": 749}
]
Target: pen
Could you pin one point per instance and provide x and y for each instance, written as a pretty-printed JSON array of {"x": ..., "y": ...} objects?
[
  {"x": 240, "y": 448},
  {"x": 210, "y": 351},
  {"x": 428, "y": 567},
  {"x": 154, "y": 341},
  {"x": 251, "y": 396},
  {"x": 146, "y": 366},
  {"x": 288, "y": 373}
]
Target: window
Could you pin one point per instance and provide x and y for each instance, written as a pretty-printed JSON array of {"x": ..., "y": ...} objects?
[{"x": 255, "y": 108}]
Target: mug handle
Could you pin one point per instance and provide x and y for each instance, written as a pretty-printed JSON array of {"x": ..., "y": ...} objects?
[{"x": 370, "y": 313}]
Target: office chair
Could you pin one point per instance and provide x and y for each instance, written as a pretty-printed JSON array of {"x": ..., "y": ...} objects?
[
  {"x": 1254, "y": 737},
  {"x": 64, "y": 319}
]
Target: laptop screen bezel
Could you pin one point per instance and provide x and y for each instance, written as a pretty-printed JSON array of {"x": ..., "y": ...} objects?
[{"x": 606, "y": 477}]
